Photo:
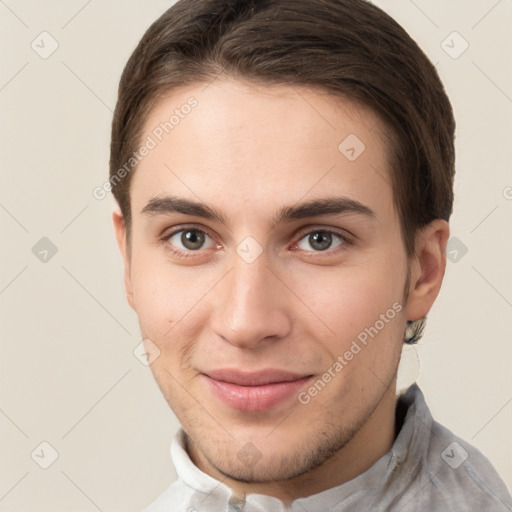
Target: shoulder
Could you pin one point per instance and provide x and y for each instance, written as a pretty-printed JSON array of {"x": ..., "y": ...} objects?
[
  {"x": 441, "y": 471},
  {"x": 460, "y": 476}
]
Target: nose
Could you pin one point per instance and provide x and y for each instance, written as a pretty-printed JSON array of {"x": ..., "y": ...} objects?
[{"x": 250, "y": 305}]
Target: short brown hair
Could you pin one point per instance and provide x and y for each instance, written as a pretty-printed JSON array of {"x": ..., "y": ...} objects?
[{"x": 349, "y": 48}]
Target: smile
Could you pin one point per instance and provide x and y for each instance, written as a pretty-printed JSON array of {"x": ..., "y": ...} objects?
[{"x": 254, "y": 392}]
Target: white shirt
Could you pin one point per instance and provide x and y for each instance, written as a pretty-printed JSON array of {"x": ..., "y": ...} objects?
[{"x": 427, "y": 469}]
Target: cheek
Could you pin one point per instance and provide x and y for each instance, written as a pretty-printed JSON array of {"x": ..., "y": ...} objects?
[
  {"x": 362, "y": 307},
  {"x": 349, "y": 298},
  {"x": 165, "y": 296}
]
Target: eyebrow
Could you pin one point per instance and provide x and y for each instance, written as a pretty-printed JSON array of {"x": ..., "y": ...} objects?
[
  {"x": 326, "y": 206},
  {"x": 169, "y": 204}
]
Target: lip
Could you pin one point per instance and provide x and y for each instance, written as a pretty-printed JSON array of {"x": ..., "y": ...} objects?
[{"x": 255, "y": 391}]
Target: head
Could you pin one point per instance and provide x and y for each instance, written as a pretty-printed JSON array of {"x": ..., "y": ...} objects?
[{"x": 284, "y": 175}]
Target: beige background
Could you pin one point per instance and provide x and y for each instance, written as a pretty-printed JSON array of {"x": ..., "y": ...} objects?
[{"x": 68, "y": 374}]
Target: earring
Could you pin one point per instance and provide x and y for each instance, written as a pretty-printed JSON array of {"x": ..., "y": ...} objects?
[{"x": 414, "y": 330}]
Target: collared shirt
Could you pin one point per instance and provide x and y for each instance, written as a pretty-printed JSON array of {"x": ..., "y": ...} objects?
[{"x": 427, "y": 469}]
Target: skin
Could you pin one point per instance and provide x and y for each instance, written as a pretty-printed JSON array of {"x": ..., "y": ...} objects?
[{"x": 248, "y": 150}]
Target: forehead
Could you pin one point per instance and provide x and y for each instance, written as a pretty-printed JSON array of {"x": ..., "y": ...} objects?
[{"x": 261, "y": 145}]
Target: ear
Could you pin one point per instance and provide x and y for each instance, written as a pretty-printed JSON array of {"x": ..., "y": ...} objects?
[
  {"x": 427, "y": 268},
  {"x": 120, "y": 230}
]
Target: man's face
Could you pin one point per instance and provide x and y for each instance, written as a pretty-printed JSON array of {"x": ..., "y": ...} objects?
[{"x": 269, "y": 291}]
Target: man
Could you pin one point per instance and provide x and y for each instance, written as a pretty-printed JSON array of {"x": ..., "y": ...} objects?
[{"x": 284, "y": 175}]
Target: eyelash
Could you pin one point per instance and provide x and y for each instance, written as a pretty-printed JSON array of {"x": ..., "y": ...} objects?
[
  {"x": 183, "y": 254},
  {"x": 187, "y": 254}
]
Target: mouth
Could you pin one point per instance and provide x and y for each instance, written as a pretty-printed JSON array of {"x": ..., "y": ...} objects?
[{"x": 254, "y": 392}]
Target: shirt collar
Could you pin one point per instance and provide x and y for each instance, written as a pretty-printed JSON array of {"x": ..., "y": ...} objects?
[{"x": 393, "y": 470}]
